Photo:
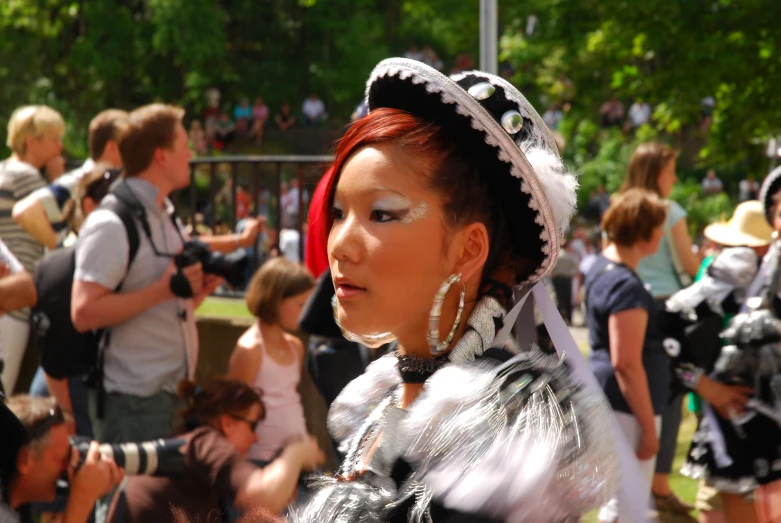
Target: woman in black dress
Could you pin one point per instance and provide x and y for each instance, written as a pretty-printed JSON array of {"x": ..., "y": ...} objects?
[{"x": 451, "y": 191}]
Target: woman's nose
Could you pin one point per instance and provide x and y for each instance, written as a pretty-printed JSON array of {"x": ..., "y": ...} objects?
[{"x": 343, "y": 240}]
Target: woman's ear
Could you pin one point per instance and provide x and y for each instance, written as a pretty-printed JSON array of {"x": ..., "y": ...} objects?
[
  {"x": 225, "y": 423},
  {"x": 474, "y": 250}
]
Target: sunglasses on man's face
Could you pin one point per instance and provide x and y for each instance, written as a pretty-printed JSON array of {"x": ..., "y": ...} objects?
[{"x": 42, "y": 427}]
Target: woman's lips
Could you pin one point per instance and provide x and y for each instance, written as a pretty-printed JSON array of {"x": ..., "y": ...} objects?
[{"x": 344, "y": 292}]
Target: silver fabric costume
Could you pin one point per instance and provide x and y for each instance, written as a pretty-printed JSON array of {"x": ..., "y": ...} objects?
[{"x": 518, "y": 441}]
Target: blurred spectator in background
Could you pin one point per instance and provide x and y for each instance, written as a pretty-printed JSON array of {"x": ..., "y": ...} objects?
[
  {"x": 431, "y": 58},
  {"x": 639, "y": 114},
  {"x": 611, "y": 113},
  {"x": 414, "y": 53},
  {"x": 313, "y": 110},
  {"x": 44, "y": 213},
  {"x": 552, "y": 117},
  {"x": 627, "y": 356},
  {"x": 198, "y": 138},
  {"x": 531, "y": 24},
  {"x": 260, "y": 116},
  {"x": 284, "y": 201},
  {"x": 652, "y": 168},
  {"x": 707, "y": 105},
  {"x": 224, "y": 132},
  {"x": 748, "y": 189},
  {"x": 711, "y": 184},
  {"x": 268, "y": 357},
  {"x": 290, "y": 245},
  {"x": 196, "y": 226},
  {"x": 242, "y": 114},
  {"x": 263, "y": 202},
  {"x": 285, "y": 118},
  {"x": 212, "y": 99},
  {"x": 243, "y": 202},
  {"x": 34, "y": 137}
]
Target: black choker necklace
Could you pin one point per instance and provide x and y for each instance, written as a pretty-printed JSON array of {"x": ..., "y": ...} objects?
[{"x": 414, "y": 369}]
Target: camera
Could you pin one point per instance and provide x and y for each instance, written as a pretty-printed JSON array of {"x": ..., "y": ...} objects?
[
  {"x": 231, "y": 267},
  {"x": 162, "y": 457}
]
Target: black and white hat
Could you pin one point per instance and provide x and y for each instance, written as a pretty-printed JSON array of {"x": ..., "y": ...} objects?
[
  {"x": 505, "y": 137},
  {"x": 770, "y": 187}
]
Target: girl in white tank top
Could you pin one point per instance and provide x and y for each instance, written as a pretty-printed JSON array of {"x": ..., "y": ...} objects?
[{"x": 269, "y": 358}]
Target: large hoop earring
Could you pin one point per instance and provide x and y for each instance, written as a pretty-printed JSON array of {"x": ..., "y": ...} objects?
[
  {"x": 438, "y": 347},
  {"x": 372, "y": 341}
]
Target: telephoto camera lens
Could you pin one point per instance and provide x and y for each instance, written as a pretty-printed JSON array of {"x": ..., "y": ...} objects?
[{"x": 162, "y": 457}]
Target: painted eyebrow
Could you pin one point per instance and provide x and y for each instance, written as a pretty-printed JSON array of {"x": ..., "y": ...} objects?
[{"x": 373, "y": 190}]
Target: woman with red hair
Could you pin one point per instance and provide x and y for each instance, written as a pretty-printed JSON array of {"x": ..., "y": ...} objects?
[{"x": 444, "y": 199}]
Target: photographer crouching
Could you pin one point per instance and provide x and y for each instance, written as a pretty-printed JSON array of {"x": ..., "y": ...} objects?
[
  {"x": 36, "y": 452},
  {"x": 139, "y": 278},
  {"x": 218, "y": 430}
]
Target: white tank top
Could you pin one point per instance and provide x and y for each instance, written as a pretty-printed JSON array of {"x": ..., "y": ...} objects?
[{"x": 284, "y": 420}]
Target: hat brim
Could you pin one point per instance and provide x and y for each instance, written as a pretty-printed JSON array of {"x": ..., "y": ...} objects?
[
  {"x": 722, "y": 234},
  {"x": 414, "y": 87}
]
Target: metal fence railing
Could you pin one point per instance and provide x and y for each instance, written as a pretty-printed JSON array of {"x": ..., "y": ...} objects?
[{"x": 225, "y": 189}]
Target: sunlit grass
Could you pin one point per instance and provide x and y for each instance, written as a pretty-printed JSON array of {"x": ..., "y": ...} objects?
[{"x": 223, "y": 308}]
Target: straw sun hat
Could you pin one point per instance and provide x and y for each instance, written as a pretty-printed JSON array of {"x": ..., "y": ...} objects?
[{"x": 747, "y": 227}]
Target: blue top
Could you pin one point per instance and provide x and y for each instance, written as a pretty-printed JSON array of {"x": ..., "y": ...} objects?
[
  {"x": 242, "y": 112},
  {"x": 613, "y": 291},
  {"x": 658, "y": 270}
]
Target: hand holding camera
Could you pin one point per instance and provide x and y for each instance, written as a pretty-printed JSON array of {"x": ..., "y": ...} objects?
[{"x": 96, "y": 476}]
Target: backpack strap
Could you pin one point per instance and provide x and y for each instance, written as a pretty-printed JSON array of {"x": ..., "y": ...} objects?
[{"x": 128, "y": 210}]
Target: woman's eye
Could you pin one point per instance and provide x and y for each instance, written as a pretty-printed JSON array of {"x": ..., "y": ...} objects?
[
  {"x": 381, "y": 216},
  {"x": 337, "y": 213}
]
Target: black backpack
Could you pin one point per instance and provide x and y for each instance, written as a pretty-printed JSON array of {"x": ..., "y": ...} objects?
[{"x": 63, "y": 350}]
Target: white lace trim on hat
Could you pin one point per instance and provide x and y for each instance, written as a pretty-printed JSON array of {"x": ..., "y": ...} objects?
[{"x": 542, "y": 174}]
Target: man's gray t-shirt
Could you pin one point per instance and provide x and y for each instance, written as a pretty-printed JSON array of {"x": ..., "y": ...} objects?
[{"x": 153, "y": 351}]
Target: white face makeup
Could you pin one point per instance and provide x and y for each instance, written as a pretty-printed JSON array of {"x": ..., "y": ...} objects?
[
  {"x": 405, "y": 210},
  {"x": 415, "y": 214}
]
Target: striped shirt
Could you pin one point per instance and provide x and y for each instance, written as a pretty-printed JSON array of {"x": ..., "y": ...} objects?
[{"x": 17, "y": 180}]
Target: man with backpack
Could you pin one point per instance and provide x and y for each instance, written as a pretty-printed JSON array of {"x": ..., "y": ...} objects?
[
  {"x": 152, "y": 341},
  {"x": 68, "y": 356}
]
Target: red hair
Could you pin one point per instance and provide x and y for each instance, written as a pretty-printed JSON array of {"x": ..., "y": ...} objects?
[
  {"x": 385, "y": 126},
  {"x": 466, "y": 195},
  {"x": 381, "y": 126}
]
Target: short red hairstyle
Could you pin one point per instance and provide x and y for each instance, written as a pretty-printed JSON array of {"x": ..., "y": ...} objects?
[
  {"x": 387, "y": 126},
  {"x": 466, "y": 195}
]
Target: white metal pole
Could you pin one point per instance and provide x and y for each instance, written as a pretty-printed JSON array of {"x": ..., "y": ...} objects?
[{"x": 489, "y": 38}]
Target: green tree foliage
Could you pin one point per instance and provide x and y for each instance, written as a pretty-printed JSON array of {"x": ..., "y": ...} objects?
[
  {"x": 81, "y": 56},
  {"x": 671, "y": 53},
  {"x": 85, "y": 55}
]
